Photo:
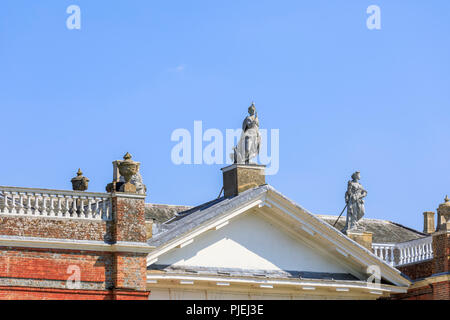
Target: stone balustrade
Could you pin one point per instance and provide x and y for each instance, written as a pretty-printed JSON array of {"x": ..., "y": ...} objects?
[
  {"x": 415, "y": 251},
  {"x": 55, "y": 203},
  {"x": 403, "y": 253},
  {"x": 385, "y": 252}
]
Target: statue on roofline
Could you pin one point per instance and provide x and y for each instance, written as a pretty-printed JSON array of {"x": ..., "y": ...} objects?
[
  {"x": 355, "y": 203},
  {"x": 250, "y": 141}
]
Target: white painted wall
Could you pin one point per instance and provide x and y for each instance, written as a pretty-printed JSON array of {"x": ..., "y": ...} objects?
[
  {"x": 202, "y": 294},
  {"x": 250, "y": 242}
]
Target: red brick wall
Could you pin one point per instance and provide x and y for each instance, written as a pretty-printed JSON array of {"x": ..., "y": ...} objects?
[
  {"x": 41, "y": 227},
  {"x": 43, "y": 274},
  {"x": 441, "y": 252},
  {"x": 418, "y": 270},
  {"x": 46, "y": 267},
  {"x": 422, "y": 293},
  {"x": 28, "y": 273},
  {"x": 441, "y": 290},
  {"x": 29, "y": 293},
  {"x": 439, "y": 264}
]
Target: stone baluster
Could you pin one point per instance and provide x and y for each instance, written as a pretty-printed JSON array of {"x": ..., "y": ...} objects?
[
  {"x": 82, "y": 211},
  {"x": 36, "y": 208},
  {"x": 411, "y": 255},
  {"x": 66, "y": 207},
  {"x": 74, "y": 213},
  {"x": 45, "y": 210},
  {"x": 59, "y": 206},
  {"x": 13, "y": 203},
  {"x": 430, "y": 250},
  {"x": 97, "y": 214},
  {"x": 29, "y": 209},
  {"x": 386, "y": 254},
  {"x": 422, "y": 251},
  {"x": 391, "y": 258},
  {"x": 21, "y": 206},
  {"x": 110, "y": 211},
  {"x": 51, "y": 212},
  {"x": 89, "y": 208},
  {"x": 405, "y": 249},
  {"x": 6, "y": 205},
  {"x": 104, "y": 214}
]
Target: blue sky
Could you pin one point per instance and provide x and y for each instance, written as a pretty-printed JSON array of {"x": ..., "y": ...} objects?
[{"x": 344, "y": 98}]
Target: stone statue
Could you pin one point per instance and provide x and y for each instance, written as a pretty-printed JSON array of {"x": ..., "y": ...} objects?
[
  {"x": 136, "y": 179},
  {"x": 355, "y": 203},
  {"x": 250, "y": 141}
]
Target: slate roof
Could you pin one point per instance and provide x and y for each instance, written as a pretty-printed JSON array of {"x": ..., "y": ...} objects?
[
  {"x": 238, "y": 272},
  {"x": 384, "y": 231},
  {"x": 160, "y": 213},
  {"x": 190, "y": 219}
]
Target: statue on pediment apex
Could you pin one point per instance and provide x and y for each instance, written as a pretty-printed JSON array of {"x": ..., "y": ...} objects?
[{"x": 250, "y": 141}]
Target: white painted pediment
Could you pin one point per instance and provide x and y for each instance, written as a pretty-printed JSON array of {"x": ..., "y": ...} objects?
[
  {"x": 250, "y": 241},
  {"x": 266, "y": 232}
]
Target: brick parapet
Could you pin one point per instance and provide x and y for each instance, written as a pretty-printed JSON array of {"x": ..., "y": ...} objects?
[
  {"x": 29, "y": 269},
  {"x": 54, "y": 228},
  {"x": 129, "y": 214},
  {"x": 441, "y": 252}
]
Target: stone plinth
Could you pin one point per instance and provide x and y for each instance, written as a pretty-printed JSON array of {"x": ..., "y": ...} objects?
[
  {"x": 444, "y": 216},
  {"x": 240, "y": 177},
  {"x": 363, "y": 238}
]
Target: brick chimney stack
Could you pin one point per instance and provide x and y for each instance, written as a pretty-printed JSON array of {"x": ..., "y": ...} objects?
[
  {"x": 428, "y": 222},
  {"x": 240, "y": 177}
]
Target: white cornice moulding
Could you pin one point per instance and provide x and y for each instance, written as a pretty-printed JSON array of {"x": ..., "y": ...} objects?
[
  {"x": 222, "y": 225},
  {"x": 184, "y": 244},
  {"x": 337, "y": 285},
  {"x": 79, "y": 245},
  {"x": 128, "y": 195}
]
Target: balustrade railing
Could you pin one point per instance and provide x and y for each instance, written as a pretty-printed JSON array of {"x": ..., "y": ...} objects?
[
  {"x": 415, "y": 250},
  {"x": 385, "y": 252},
  {"x": 399, "y": 254},
  {"x": 55, "y": 203}
]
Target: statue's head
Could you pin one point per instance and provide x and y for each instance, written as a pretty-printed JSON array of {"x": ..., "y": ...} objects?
[
  {"x": 252, "y": 109},
  {"x": 356, "y": 176}
]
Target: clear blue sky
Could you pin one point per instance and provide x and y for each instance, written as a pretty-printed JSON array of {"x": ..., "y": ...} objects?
[{"x": 344, "y": 97}]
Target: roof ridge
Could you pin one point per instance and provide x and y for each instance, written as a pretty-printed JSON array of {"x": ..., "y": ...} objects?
[
  {"x": 168, "y": 205},
  {"x": 408, "y": 228}
]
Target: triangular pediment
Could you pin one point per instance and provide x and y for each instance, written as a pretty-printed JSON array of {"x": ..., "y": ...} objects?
[
  {"x": 251, "y": 241},
  {"x": 263, "y": 230}
]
